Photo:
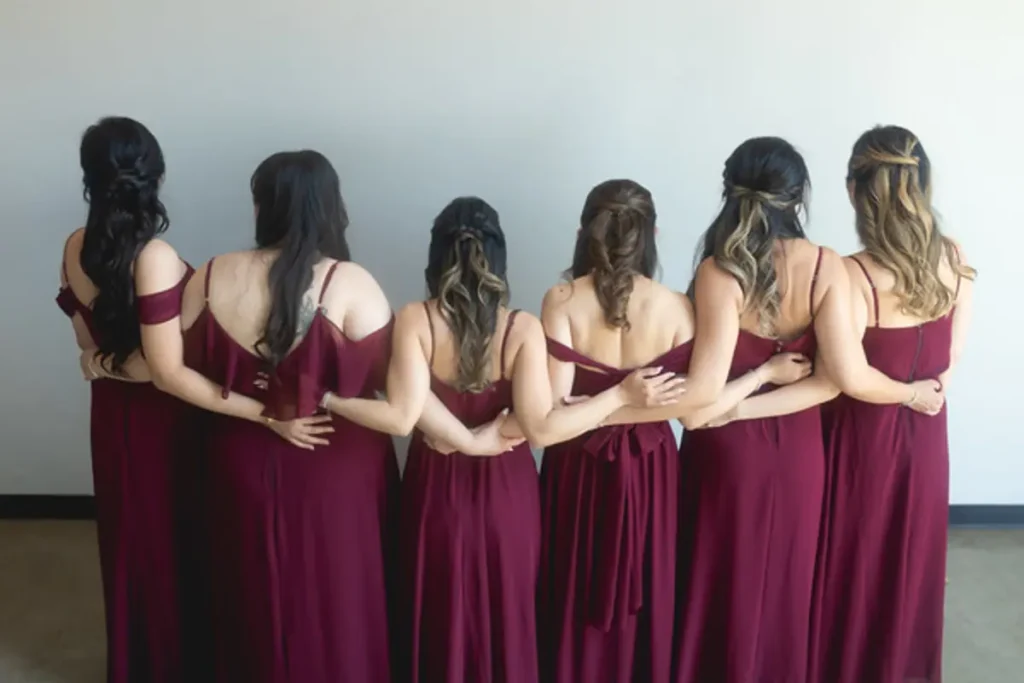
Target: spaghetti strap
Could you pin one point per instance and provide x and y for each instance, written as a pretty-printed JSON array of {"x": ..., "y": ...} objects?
[
  {"x": 430, "y": 326},
  {"x": 814, "y": 281},
  {"x": 327, "y": 282},
  {"x": 206, "y": 280},
  {"x": 504, "y": 340},
  {"x": 871, "y": 283}
]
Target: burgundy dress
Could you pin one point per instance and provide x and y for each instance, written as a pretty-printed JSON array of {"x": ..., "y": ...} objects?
[
  {"x": 134, "y": 431},
  {"x": 751, "y": 501},
  {"x": 608, "y": 560},
  {"x": 881, "y": 575},
  {"x": 299, "y": 539},
  {"x": 470, "y": 547}
]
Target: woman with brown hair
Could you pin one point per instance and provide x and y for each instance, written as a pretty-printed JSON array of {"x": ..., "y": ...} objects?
[
  {"x": 881, "y": 578},
  {"x": 610, "y": 496},
  {"x": 752, "y": 487},
  {"x": 470, "y": 530}
]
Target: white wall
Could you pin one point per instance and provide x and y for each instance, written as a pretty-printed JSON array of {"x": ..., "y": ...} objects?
[{"x": 526, "y": 103}]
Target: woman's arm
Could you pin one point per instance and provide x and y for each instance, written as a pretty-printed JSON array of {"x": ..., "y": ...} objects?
[
  {"x": 840, "y": 346},
  {"x": 407, "y": 385},
  {"x": 535, "y": 410},
  {"x": 135, "y": 369},
  {"x": 962, "y": 315},
  {"x": 158, "y": 269}
]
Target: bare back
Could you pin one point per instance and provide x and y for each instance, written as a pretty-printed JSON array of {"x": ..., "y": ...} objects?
[
  {"x": 441, "y": 348},
  {"x": 239, "y": 297},
  {"x": 874, "y": 299},
  {"x": 797, "y": 265},
  {"x": 659, "y": 318}
]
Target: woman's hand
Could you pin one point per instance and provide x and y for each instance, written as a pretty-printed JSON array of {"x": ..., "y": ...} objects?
[
  {"x": 87, "y": 363},
  {"x": 487, "y": 440},
  {"x": 651, "y": 388},
  {"x": 785, "y": 368},
  {"x": 303, "y": 432},
  {"x": 929, "y": 397}
]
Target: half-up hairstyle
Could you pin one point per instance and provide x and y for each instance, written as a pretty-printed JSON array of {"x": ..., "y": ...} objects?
[
  {"x": 300, "y": 213},
  {"x": 122, "y": 166},
  {"x": 466, "y": 274},
  {"x": 890, "y": 182},
  {"x": 616, "y": 243},
  {"x": 765, "y": 183}
]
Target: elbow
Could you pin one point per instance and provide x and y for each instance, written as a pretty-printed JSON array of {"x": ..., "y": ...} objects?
[
  {"x": 537, "y": 438},
  {"x": 403, "y": 426},
  {"x": 700, "y": 395},
  {"x": 690, "y": 423},
  {"x": 162, "y": 380}
]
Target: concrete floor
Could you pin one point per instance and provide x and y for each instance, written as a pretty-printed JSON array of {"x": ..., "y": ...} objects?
[{"x": 51, "y": 613}]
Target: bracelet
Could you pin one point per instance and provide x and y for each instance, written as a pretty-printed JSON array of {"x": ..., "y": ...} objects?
[{"x": 913, "y": 399}]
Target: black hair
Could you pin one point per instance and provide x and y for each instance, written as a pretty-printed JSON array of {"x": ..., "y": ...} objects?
[
  {"x": 122, "y": 166},
  {"x": 299, "y": 211}
]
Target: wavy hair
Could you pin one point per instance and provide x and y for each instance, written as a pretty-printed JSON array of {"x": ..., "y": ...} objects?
[
  {"x": 615, "y": 243},
  {"x": 765, "y": 183},
  {"x": 122, "y": 166},
  {"x": 889, "y": 175},
  {"x": 300, "y": 213},
  {"x": 466, "y": 273}
]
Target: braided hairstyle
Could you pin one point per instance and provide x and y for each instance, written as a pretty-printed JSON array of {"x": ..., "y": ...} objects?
[
  {"x": 615, "y": 243},
  {"x": 466, "y": 273},
  {"x": 765, "y": 182},
  {"x": 122, "y": 167},
  {"x": 889, "y": 176}
]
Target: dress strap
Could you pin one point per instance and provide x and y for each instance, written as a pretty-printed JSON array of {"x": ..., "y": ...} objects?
[
  {"x": 504, "y": 340},
  {"x": 430, "y": 326},
  {"x": 327, "y": 282},
  {"x": 814, "y": 281},
  {"x": 206, "y": 280},
  {"x": 871, "y": 283}
]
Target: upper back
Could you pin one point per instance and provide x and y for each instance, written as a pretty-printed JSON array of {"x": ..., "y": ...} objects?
[
  {"x": 234, "y": 289},
  {"x": 659, "y": 320},
  {"x": 797, "y": 267},
  {"x": 875, "y": 295},
  {"x": 442, "y": 348}
]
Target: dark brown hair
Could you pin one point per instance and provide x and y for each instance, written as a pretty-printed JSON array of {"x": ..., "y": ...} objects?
[
  {"x": 466, "y": 274},
  {"x": 764, "y": 183},
  {"x": 616, "y": 243},
  {"x": 890, "y": 177}
]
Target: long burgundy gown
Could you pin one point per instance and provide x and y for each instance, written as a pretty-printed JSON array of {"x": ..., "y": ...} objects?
[
  {"x": 134, "y": 431},
  {"x": 608, "y": 559},
  {"x": 470, "y": 548},
  {"x": 882, "y": 563},
  {"x": 299, "y": 539},
  {"x": 750, "y": 516}
]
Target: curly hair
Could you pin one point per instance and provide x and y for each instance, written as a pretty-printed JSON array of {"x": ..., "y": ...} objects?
[
  {"x": 765, "y": 182},
  {"x": 122, "y": 166},
  {"x": 466, "y": 273},
  {"x": 616, "y": 242},
  {"x": 890, "y": 184}
]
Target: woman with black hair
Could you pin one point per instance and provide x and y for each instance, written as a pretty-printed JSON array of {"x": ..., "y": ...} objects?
[
  {"x": 300, "y": 531},
  {"x": 120, "y": 285},
  {"x": 470, "y": 539}
]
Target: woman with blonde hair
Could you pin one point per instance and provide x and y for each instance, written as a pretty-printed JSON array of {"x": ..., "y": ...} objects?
[
  {"x": 881, "y": 580},
  {"x": 751, "y": 495}
]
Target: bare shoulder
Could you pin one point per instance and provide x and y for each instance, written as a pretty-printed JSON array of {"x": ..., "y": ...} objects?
[
  {"x": 558, "y": 297},
  {"x": 711, "y": 278},
  {"x": 157, "y": 252},
  {"x": 525, "y": 326},
  {"x": 853, "y": 265},
  {"x": 412, "y": 317}
]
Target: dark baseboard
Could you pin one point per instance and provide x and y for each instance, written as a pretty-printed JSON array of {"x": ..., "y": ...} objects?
[
  {"x": 47, "y": 507},
  {"x": 84, "y": 507},
  {"x": 987, "y": 516}
]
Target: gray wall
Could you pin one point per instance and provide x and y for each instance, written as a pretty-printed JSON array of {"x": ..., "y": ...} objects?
[{"x": 527, "y": 104}]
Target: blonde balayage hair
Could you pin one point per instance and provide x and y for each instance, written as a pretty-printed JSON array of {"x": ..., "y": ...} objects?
[
  {"x": 765, "y": 181},
  {"x": 890, "y": 177},
  {"x": 466, "y": 274}
]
